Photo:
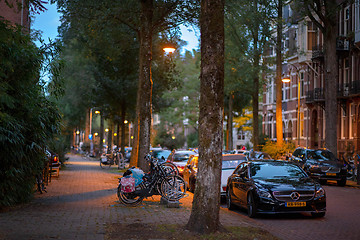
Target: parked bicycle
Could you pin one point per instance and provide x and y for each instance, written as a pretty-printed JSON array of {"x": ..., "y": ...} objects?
[
  {"x": 112, "y": 158},
  {"x": 163, "y": 179},
  {"x": 352, "y": 163}
]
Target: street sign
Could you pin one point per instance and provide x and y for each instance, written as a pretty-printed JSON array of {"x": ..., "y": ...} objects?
[{"x": 90, "y": 136}]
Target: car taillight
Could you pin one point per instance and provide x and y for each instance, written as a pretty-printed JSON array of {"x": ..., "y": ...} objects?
[{"x": 181, "y": 168}]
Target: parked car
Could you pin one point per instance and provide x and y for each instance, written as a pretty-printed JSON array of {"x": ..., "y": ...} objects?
[
  {"x": 190, "y": 171},
  {"x": 162, "y": 154},
  {"x": 229, "y": 163},
  {"x": 53, "y": 158},
  {"x": 320, "y": 164},
  {"x": 180, "y": 158},
  {"x": 256, "y": 155},
  {"x": 274, "y": 186},
  {"x": 128, "y": 153}
]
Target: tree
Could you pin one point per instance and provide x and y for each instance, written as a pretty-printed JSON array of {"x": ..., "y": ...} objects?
[
  {"x": 168, "y": 15},
  {"x": 323, "y": 13},
  {"x": 181, "y": 104},
  {"x": 253, "y": 17},
  {"x": 204, "y": 216}
]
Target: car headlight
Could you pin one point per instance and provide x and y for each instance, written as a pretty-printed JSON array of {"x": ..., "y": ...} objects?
[
  {"x": 263, "y": 193},
  {"x": 319, "y": 193}
]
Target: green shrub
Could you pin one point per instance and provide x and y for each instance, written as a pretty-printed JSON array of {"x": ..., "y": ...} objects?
[
  {"x": 27, "y": 118},
  {"x": 276, "y": 151}
]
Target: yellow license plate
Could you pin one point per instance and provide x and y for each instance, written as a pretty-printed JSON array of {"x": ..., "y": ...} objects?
[
  {"x": 330, "y": 174},
  {"x": 295, "y": 204}
]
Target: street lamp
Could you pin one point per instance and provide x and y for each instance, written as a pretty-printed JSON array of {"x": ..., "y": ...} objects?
[
  {"x": 169, "y": 48},
  {"x": 90, "y": 135},
  {"x": 287, "y": 80}
]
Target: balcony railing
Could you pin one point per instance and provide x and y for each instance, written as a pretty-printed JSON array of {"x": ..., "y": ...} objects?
[
  {"x": 316, "y": 95},
  {"x": 349, "y": 89},
  {"x": 317, "y": 52},
  {"x": 342, "y": 44}
]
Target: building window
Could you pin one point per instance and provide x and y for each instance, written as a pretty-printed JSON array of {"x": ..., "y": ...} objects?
[
  {"x": 302, "y": 124},
  {"x": 241, "y": 135},
  {"x": 311, "y": 37},
  {"x": 301, "y": 75},
  {"x": 343, "y": 123},
  {"x": 351, "y": 120}
]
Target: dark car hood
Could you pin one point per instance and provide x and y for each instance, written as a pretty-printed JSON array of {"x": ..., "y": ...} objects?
[{"x": 286, "y": 184}]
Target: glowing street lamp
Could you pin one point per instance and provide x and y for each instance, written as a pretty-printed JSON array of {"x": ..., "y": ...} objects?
[
  {"x": 169, "y": 49},
  {"x": 287, "y": 80}
]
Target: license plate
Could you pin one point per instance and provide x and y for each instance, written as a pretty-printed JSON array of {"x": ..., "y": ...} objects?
[
  {"x": 331, "y": 174},
  {"x": 295, "y": 204}
]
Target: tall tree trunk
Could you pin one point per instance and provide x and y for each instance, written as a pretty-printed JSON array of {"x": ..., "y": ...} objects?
[
  {"x": 230, "y": 123},
  {"x": 331, "y": 77},
  {"x": 141, "y": 145},
  {"x": 279, "y": 125},
  {"x": 101, "y": 143},
  {"x": 122, "y": 124},
  {"x": 204, "y": 216},
  {"x": 87, "y": 126}
]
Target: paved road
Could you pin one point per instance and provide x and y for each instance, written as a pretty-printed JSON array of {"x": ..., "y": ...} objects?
[{"x": 83, "y": 200}]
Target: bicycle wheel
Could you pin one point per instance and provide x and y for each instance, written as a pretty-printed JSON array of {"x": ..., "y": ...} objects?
[
  {"x": 169, "y": 168},
  {"x": 173, "y": 188},
  {"x": 130, "y": 199},
  {"x": 121, "y": 161},
  {"x": 40, "y": 184}
]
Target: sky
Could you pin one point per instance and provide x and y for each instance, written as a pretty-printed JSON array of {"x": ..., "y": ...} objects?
[{"x": 47, "y": 22}]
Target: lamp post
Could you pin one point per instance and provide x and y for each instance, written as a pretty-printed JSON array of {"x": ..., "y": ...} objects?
[
  {"x": 90, "y": 135},
  {"x": 287, "y": 80}
]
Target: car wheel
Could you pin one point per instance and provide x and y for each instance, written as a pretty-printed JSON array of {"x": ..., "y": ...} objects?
[
  {"x": 318, "y": 215},
  {"x": 251, "y": 206},
  {"x": 229, "y": 203},
  {"x": 341, "y": 182}
]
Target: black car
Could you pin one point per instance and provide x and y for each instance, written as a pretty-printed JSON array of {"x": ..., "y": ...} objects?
[
  {"x": 273, "y": 186},
  {"x": 321, "y": 164}
]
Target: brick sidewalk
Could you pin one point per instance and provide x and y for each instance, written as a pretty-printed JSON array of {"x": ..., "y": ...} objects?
[{"x": 83, "y": 199}]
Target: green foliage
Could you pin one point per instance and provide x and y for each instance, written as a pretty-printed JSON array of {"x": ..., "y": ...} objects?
[
  {"x": 193, "y": 140},
  {"x": 276, "y": 151},
  {"x": 182, "y": 103},
  {"x": 27, "y": 117},
  {"x": 165, "y": 139}
]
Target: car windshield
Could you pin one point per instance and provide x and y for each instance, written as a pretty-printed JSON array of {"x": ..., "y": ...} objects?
[
  {"x": 321, "y": 155},
  {"x": 159, "y": 154},
  {"x": 275, "y": 170},
  {"x": 180, "y": 157},
  {"x": 231, "y": 164}
]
